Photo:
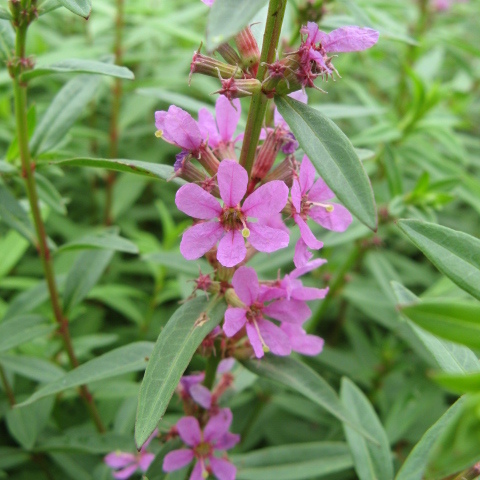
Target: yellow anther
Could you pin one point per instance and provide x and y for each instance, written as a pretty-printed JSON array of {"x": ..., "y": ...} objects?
[
  {"x": 329, "y": 208},
  {"x": 159, "y": 133},
  {"x": 245, "y": 232},
  {"x": 265, "y": 348}
]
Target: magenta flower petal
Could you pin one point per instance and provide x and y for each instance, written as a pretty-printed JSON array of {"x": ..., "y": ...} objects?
[
  {"x": 119, "y": 459},
  {"x": 187, "y": 381},
  {"x": 318, "y": 57},
  {"x": 177, "y": 459},
  {"x": 179, "y": 127},
  {"x": 301, "y": 342},
  {"x": 189, "y": 431},
  {"x": 225, "y": 365},
  {"x": 291, "y": 311},
  {"x": 231, "y": 249},
  {"x": 307, "y": 235},
  {"x": 266, "y": 239},
  {"x": 228, "y": 441},
  {"x": 145, "y": 461},
  {"x": 235, "y": 319},
  {"x": 275, "y": 338},
  {"x": 302, "y": 255},
  {"x": 197, "y": 473},
  {"x": 201, "y": 395},
  {"x": 308, "y": 267},
  {"x": 208, "y": 127},
  {"x": 320, "y": 192},
  {"x": 266, "y": 200},
  {"x": 254, "y": 339},
  {"x": 125, "y": 473},
  {"x": 223, "y": 469},
  {"x": 208, "y": 3},
  {"x": 228, "y": 116},
  {"x": 245, "y": 284},
  {"x": 232, "y": 181},
  {"x": 313, "y": 33},
  {"x": 309, "y": 293},
  {"x": 199, "y": 239},
  {"x": 338, "y": 220},
  {"x": 296, "y": 196},
  {"x": 217, "y": 426},
  {"x": 196, "y": 202},
  {"x": 307, "y": 175},
  {"x": 350, "y": 39}
]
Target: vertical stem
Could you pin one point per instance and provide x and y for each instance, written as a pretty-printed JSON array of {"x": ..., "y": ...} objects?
[
  {"x": 258, "y": 105},
  {"x": 20, "y": 93},
  {"x": 116, "y": 100},
  {"x": 211, "y": 370},
  {"x": 7, "y": 387}
]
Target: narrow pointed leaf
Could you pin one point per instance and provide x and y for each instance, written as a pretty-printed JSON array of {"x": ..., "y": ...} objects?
[
  {"x": 165, "y": 172},
  {"x": 79, "y": 7},
  {"x": 334, "y": 157},
  {"x": 222, "y": 25},
  {"x": 173, "y": 351},
  {"x": 455, "y": 254},
  {"x": 299, "y": 377},
  {"x": 371, "y": 461},
  {"x": 75, "y": 65},
  {"x": 130, "y": 358},
  {"x": 5, "y": 14},
  {"x": 107, "y": 240},
  {"x": 459, "y": 383},
  {"x": 454, "y": 320}
]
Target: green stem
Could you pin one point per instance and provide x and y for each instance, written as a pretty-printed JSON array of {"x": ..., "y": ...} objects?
[
  {"x": 7, "y": 387},
  {"x": 116, "y": 100},
  {"x": 20, "y": 94},
  {"x": 258, "y": 105},
  {"x": 469, "y": 474}
]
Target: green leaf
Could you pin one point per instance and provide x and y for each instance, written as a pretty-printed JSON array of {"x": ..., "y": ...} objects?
[
  {"x": 22, "y": 329},
  {"x": 35, "y": 368},
  {"x": 79, "y": 7},
  {"x": 334, "y": 157},
  {"x": 372, "y": 462},
  {"x": 173, "y": 351},
  {"x": 12, "y": 249},
  {"x": 293, "y": 462},
  {"x": 5, "y": 14},
  {"x": 222, "y": 25},
  {"x": 177, "y": 262},
  {"x": 455, "y": 254},
  {"x": 25, "y": 424},
  {"x": 62, "y": 113},
  {"x": 416, "y": 463},
  {"x": 165, "y": 172},
  {"x": 459, "y": 383},
  {"x": 296, "y": 375},
  {"x": 449, "y": 356},
  {"x": 130, "y": 358},
  {"x": 49, "y": 194},
  {"x": 12, "y": 213},
  {"x": 83, "y": 275},
  {"x": 75, "y": 65},
  {"x": 454, "y": 320},
  {"x": 106, "y": 240}
]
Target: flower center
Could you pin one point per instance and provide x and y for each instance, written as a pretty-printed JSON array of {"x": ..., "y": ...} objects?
[
  {"x": 203, "y": 449},
  {"x": 232, "y": 218}
]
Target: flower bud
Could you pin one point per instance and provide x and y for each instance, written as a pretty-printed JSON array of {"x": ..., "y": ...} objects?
[
  {"x": 248, "y": 49},
  {"x": 283, "y": 171},
  {"x": 266, "y": 155},
  {"x": 213, "y": 67},
  {"x": 238, "y": 88},
  {"x": 229, "y": 54}
]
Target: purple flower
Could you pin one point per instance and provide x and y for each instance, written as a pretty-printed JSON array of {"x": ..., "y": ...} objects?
[
  {"x": 209, "y": 3},
  {"x": 126, "y": 464},
  {"x": 263, "y": 334},
  {"x": 308, "y": 200},
  {"x": 301, "y": 342},
  {"x": 229, "y": 224},
  {"x": 220, "y": 132},
  {"x": 214, "y": 437}
]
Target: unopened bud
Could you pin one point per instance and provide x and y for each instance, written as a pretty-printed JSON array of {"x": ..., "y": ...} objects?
[
  {"x": 248, "y": 49},
  {"x": 213, "y": 67},
  {"x": 266, "y": 155},
  {"x": 208, "y": 160},
  {"x": 238, "y": 88},
  {"x": 229, "y": 54},
  {"x": 283, "y": 171}
]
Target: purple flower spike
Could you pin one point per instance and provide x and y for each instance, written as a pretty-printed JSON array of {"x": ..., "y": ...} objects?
[
  {"x": 229, "y": 224},
  {"x": 126, "y": 464},
  {"x": 309, "y": 199},
  {"x": 179, "y": 128},
  {"x": 264, "y": 335},
  {"x": 215, "y": 437},
  {"x": 220, "y": 132}
]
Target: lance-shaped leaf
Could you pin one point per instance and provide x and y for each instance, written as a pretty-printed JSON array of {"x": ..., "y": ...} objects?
[
  {"x": 106, "y": 240},
  {"x": 147, "y": 169},
  {"x": 296, "y": 375},
  {"x": 173, "y": 351},
  {"x": 75, "y": 65},
  {"x": 79, "y": 7},
  {"x": 371, "y": 461},
  {"x": 451, "y": 319},
  {"x": 459, "y": 383},
  {"x": 334, "y": 157},
  {"x": 130, "y": 358},
  {"x": 222, "y": 25},
  {"x": 455, "y": 254}
]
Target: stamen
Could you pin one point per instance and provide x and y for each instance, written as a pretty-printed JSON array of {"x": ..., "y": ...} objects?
[
  {"x": 264, "y": 345},
  {"x": 327, "y": 206},
  {"x": 159, "y": 133}
]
